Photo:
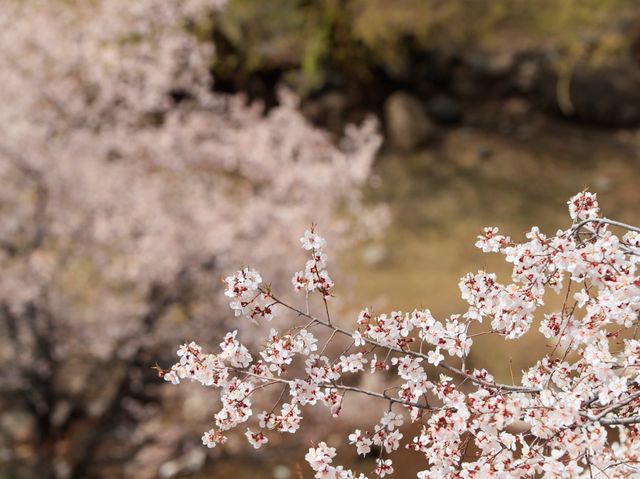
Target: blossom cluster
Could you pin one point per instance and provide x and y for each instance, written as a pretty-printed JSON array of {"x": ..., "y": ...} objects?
[
  {"x": 315, "y": 276},
  {"x": 574, "y": 413}
]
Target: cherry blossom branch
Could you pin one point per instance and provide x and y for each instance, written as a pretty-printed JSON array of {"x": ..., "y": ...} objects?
[
  {"x": 601, "y": 417},
  {"x": 601, "y": 221},
  {"x": 447, "y": 367},
  {"x": 567, "y": 399},
  {"x": 576, "y": 228},
  {"x": 270, "y": 380}
]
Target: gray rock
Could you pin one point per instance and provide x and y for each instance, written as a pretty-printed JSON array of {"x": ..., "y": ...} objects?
[
  {"x": 408, "y": 126},
  {"x": 501, "y": 63},
  {"x": 528, "y": 75},
  {"x": 619, "y": 106}
]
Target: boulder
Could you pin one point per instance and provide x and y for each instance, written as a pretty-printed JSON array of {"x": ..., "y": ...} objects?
[
  {"x": 607, "y": 95},
  {"x": 407, "y": 123}
]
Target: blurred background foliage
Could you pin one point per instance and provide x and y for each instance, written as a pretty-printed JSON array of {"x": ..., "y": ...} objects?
[{"x": 311, "y": 40}]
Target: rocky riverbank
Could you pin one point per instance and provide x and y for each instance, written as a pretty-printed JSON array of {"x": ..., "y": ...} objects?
[{"x": 428, "y": 86}]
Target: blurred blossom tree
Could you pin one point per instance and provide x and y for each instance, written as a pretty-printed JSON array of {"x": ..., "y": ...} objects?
[
  {"x": 572, "y": 414},
  {"x": 127, "y": 185}
]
